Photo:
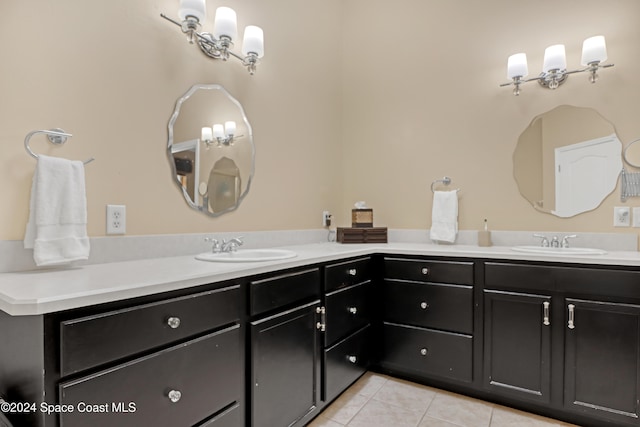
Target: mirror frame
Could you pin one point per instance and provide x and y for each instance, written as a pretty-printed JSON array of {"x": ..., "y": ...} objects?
[{"x": 170, "y": 144}]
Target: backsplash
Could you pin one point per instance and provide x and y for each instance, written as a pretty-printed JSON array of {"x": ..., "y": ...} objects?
[{"x": 13, "y": 256}]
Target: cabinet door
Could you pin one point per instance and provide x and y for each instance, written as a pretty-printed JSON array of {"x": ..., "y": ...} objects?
[
  {"x": 517, "y": 345},
  {"x": 602, "y": 360},
  {"x": 285, "y": 364}
]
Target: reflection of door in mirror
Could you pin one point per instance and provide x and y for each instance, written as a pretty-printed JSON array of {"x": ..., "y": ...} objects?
[
  {"x": 186, "y": 157},
  {"x": 224, "y": 185},
  {"x": 582, "y": 170},
  {"x": 587, "y": 179}
]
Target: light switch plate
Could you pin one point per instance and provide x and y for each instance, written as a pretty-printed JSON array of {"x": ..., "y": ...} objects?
[
  {"x": 636, "y": 217},
  {"x": 621, "y": 216}
]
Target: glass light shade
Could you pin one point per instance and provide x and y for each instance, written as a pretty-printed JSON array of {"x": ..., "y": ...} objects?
[
  {"x": 218, "y": 131},
  {"x": 207, "y": 134},
  {"x": 195, "y": 8},
  {"x": 225, "y": 23},
  {"x": 554, "y": 58},
  {"x": 594, "y": 49},
  {"x": 517, "y": 66},
  {"x": 253, "y": 41},
  {"x": 230, "y": 128}
]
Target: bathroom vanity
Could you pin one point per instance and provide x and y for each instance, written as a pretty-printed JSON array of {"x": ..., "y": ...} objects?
[{"x": 273, "y": 343}]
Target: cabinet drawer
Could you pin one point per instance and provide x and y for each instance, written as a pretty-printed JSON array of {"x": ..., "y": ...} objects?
[
  {"x": 208, "y": 372},
  {"x": 280, "y": 291},
  {"x": 430, "y": 305},
  {"x": 427, "y": 352},
  {"x": 345, "y": 362},
  {"x": 456, "y": 272},
  {"x": 348, "y": 310},
  {"x": 230, "y": 417},
  {"x": 347, "y": 273},
  {"x": 90, "y": 341}
]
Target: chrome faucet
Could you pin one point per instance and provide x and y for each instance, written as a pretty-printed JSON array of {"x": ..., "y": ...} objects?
[
  {"x": 544, "y": 242},
  {"x": 231, "y": 245},
  {"x": 215, "y": 244},
  {"x": 565, "y": 240},
  {"x": 555, "y": 243}
]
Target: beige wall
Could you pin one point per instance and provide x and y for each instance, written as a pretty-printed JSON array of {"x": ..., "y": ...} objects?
[
  {"x": 110, "y": 72},
  {"x": 421, "y": 100},
  {"x": 354, "y": 100}
]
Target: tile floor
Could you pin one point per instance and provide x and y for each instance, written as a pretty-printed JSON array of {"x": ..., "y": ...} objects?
[{"x": 380, "y": 401}]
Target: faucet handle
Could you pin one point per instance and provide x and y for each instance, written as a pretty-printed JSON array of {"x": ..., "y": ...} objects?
[
  {"x": 565, "y": 240},
  {"x": 545, "y": 242},
  {"x": 215, "y": 244}
]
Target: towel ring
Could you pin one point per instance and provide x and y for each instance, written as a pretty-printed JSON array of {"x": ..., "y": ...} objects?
[
  {"x": 55, "y": 136},
  {"x": 445, "y": 180}
]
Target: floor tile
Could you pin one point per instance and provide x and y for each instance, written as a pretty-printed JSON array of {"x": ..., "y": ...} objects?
[
  {"x": 345, "y": 407},
  {"x": 380, "y": 414},
  {"x": 321, "y": 421},
  {"x": 507, "y": 417},
  {"x": 460, "y": 410},
  {"x": 427, "y": 421},
  {"x": 405, "y": 394},
  {"x": 369, "y": 384}
]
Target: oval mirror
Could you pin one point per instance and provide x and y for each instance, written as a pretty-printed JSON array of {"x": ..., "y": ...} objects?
[
  {"x": 567, "y": 161},
  {"x": 210, "y": 149}
]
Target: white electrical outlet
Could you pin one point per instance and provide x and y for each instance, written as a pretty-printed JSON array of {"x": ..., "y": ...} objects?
[
  {"x": 621, "y": 216},
  {"x": 116, "y": 219},
  {"x": 326, "y": 218}
]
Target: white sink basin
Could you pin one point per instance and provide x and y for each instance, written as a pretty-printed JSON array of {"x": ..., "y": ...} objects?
[
  {"x": 558, "y": 251},
  {"x": 247, "y": 255}
]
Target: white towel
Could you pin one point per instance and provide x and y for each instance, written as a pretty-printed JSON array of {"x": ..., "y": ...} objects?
[
  {"x": 57, "y": 227},
  {"x": 444, "y": 216}
]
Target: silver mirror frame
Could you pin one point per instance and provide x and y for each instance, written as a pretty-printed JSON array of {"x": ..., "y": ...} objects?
[{"x": 170, "y": 143}]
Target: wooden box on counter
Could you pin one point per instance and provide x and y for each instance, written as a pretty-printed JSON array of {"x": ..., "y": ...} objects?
[{"x": 362, "y": 235}]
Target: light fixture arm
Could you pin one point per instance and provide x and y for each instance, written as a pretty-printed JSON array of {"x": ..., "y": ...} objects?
[{"x": 212, "y": 47}]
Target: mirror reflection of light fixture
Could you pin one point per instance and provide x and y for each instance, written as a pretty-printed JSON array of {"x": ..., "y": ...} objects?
[
  {"x": 222, "y": 135},
  {"x": 554, "y": 69},
  {"x": 219, "y": 44}
]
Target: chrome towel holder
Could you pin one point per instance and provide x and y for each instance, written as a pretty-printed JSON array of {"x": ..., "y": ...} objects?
[
  {"x": 56, "y": 136},
  {"x": 445, "y": 180}
]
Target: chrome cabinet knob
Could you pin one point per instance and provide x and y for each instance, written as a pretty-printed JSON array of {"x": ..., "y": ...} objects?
[
  {"x": 424, "y": 305},
  {"x": 425, "y": 271},
  {"x": 352, "y": 272},
  {"x": 174, "y": 396},
  {"x": 424, "y": 351},
  {"x": 352, "y": 359},
  {"x": 352, "y": 310},
  {"x": 173, "y": 322}
]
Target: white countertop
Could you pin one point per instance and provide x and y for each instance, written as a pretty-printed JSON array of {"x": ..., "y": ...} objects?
[{"x": 45, "y": 291}]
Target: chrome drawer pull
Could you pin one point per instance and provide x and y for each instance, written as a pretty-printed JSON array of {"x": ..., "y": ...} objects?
[
  {"x": 571, "y": 324},
  {"x": 352, "y": 310},
  {"x": 322, "y": 324},
  {"x": 174, "y": 396},
  {"x": 425, "y": 271},
  {"x": 545, "y": 312},
  {"x": 352, "y": 359},
  {"x": 173, "y": 322},
  {"x": 424, "y": 351},
  {"x": 352, "y": 272},
  {"x": 424, "y": 305}
]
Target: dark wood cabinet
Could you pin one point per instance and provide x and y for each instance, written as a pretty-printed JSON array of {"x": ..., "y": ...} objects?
[
  {"x": 602, "y": 360},
  {"x": 427, "y": 318},
  {"x": 517, "y": 345},
  {"x": 285, "y": 363}
]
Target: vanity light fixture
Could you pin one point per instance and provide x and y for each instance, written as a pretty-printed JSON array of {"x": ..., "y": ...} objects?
[
  {"x": 219, "y": 44},
  {"x": 222, "y": 135},
  {"x": 554, "y": 69}
]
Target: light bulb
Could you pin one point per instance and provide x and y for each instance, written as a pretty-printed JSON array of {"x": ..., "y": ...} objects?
[
  {"x": 195, "y": 8},
  {"x": 225, "y": 23},
  {"x": 594, "y": 49},
  {"x": 554, "y": 58},
  {"x": 253, "y": 41}
]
